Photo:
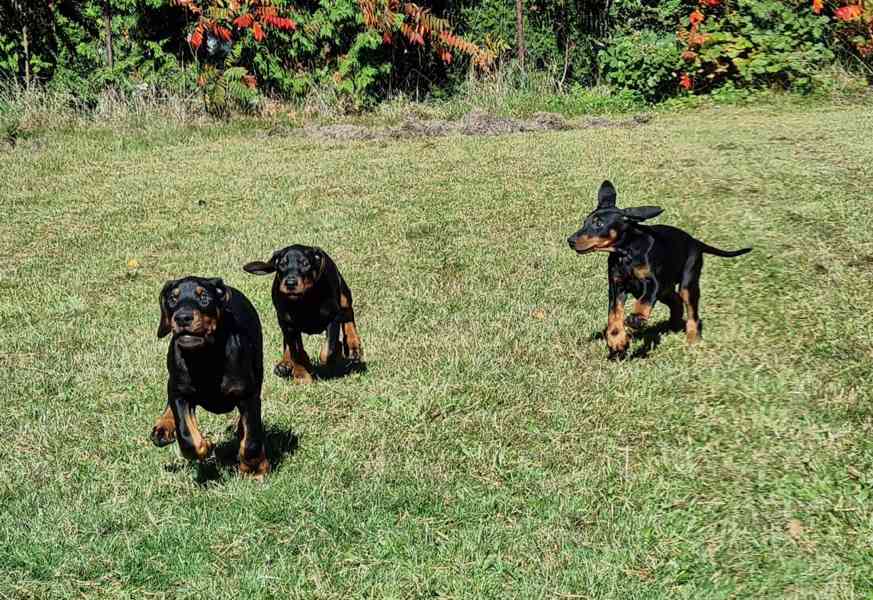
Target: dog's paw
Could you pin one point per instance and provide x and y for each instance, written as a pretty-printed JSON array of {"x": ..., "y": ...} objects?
[
  {"x": 302, "y": 376},
  {"x": 617, "y": 355},
  {"x": 282, "y": 370},
  {"x": 354, "y": 351},
  {"x": 256, "y": 468},
  {"x": 635, "y": 321},
  {"x": 162, "y": 435}
]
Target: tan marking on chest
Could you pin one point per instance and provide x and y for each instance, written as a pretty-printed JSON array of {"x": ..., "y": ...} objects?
[{"x": 642, "y": 272}]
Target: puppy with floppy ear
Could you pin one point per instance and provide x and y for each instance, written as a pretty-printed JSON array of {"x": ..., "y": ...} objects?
[
  {"x": 310, "y": 296},
  {"x": 215, "y": 361},
  {"x": 649, "y": 262}
]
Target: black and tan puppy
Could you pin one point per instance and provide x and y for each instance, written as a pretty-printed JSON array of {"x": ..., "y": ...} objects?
[
  {"x": 310, "y": 297},
  {"x": 649, "y": 262},
  {"x": 215, "y": 361}
]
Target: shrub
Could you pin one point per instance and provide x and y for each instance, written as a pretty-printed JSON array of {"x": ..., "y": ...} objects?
[
  {"x": 644, "y": 61},
  {"x": 754, "y": 43}
]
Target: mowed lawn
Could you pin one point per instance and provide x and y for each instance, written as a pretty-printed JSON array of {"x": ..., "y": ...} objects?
[{"x": 490, "y": 449}]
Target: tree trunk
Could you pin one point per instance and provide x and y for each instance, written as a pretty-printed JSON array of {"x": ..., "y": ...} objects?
[
  {"x": 107, "y": 17},
  {"x": 25, "y": 43},
  {"x": 519, "y": 31}
]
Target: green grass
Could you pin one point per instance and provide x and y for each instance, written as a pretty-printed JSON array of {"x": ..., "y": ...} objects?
[{"x": 490, "y": 450}]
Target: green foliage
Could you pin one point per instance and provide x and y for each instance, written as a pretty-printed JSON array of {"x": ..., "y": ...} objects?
[
  {"x": 633, "y": 45},
  {"x": 763, "y": 43},
  {"x": 644, "y": 61}
]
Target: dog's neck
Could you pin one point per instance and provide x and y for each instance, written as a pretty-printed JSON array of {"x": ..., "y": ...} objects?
[{"x": 631, "y": 234}]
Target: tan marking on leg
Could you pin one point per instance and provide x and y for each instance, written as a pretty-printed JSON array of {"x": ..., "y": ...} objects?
[
  {"x": 202, "y": 446},
  {"x": 616, "y": 335},
  {"x": 258, "y": 466},
  {"x": 642, "y": 309},
  {"x": 692, "y": 323}
]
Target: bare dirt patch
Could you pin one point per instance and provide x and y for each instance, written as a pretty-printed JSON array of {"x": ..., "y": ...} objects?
[{"x": 474, "y": 123}]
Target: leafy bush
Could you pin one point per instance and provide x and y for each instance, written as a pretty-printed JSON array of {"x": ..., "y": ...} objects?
[
  {"x": 755, "y": 43},
  {"x": 644, "y": 61}
]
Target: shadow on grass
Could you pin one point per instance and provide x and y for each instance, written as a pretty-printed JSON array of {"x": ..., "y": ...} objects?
[
  {"x": 650, "y": 337},
  {"x": 279, "y": 443},
  {"x": 339, "y": 369}
]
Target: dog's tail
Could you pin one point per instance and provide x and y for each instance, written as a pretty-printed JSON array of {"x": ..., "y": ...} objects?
[{"x": 725, "y": 253}]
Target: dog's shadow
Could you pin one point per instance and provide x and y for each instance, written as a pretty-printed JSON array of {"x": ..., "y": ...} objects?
[
  {"x": 279, "y": 445},
  {"x": 339, "y": 369},
  {"x": 650, "y": 337}
]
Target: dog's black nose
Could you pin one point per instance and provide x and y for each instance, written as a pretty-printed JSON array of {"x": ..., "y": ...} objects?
[{"x": 183, "y": 319}]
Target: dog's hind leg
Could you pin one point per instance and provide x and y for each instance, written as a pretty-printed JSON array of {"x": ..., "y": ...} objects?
[
  {"x": 674, "y": 301},
  {"x": 352, "y": 348},
  {"x": 689, "y": 291}
]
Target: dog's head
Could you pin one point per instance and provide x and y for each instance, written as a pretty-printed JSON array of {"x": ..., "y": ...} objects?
[
  {"x": 297, "y": 269},
  {"x": 604, "y": 228},
  {"x": 192, "y": 309}
]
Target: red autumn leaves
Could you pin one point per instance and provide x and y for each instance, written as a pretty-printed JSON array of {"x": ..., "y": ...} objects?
[
  {"x": 694, "y": 39},
  {"x": 849, "y": 13},
  {"x": 857, "y": 23},
  {"x": 257, "y": 16},
  {"x": 254, "y": 15}
]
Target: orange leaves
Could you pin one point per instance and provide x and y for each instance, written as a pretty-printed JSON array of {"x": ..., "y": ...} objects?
[
  {"x": 849, "y": 13},
  {"x": 417, "y": 25},
  {"x": 256, "y": 15},
  {"x": 250, "y": 81},
  {"x": 689, "y": 55},
  {"x": 196, "y": 38},
  {"x": 686, "y": 81},
  {"x": 243, "y": 21},
  {"x": 258, "y": 32},
  {"x": 710, "y": 3},
  {"x": 282, "y": 23},
  {"x": 222, "y": 33},
  {"x": 696, "y": 17},
  {"x": 817, "y": 6}
]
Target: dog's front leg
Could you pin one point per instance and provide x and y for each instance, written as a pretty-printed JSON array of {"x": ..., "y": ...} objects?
[
  {"x": 191, "y": 442},
  {"x": 295, "y": 362},
  {"x": 617, "y": 339},
  {"x": 164, "y": 430},
  {"x": 330, "y": 347},
  {"x": 252, "y": 454},
  {"x": 644, "y": 304}
]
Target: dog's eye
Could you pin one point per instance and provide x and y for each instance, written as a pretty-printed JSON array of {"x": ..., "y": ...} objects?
[
  {"x": 172, "y": 301},
  {"x": 204, "y": 299}
]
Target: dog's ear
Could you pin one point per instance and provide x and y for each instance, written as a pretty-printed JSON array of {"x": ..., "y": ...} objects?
[
  {"x": 164, "y": 322},
  {"x": 259, "y": 267},
  {"x": 606, "y": 195},
  {"x": 221, "y": 290},
  {"x": 318, "y": 260},
  {"x": 641, "y": 213}
]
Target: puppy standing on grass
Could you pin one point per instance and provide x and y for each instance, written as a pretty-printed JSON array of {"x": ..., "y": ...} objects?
[
  {"x": 215, "y": 360},
  {"x": 310, "y": 297},
  {"x": 647, "y": 261}
]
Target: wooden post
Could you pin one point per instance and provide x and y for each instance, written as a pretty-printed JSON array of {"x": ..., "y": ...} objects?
[
  {"x": 25, "y": 43},
  {"x": 519, "y": 31},
  {"x": 107, "y": 17}
]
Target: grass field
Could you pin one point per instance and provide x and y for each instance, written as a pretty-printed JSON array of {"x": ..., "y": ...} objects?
[{"x": 490, "y": 449}]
